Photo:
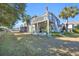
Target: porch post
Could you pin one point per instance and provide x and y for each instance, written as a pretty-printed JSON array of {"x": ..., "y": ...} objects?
[
  {"x": 48, "y": 27},
  {"x": 37, "y": 28}
]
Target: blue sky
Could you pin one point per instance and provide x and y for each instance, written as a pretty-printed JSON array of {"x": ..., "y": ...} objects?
[{"x": 39, "y": 9}]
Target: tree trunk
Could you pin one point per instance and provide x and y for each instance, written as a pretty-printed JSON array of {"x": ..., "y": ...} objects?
[
  {"x": 67, "y": 25},
  {"x": 27, "y": 27}
]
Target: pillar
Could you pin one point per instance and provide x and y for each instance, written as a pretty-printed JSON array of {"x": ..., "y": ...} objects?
[
  {"x": 37, "y": 28},
  {"x": 48, "y": 27}
]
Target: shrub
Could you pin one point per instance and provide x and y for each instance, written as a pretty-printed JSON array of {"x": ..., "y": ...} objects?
[
  {"x": 76, "y": 30},
  {"x": 56, "y": 34}
]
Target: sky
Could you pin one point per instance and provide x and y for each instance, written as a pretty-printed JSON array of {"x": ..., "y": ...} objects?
[{"x": 39, "y": 9}]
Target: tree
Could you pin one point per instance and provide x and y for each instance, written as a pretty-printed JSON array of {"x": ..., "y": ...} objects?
[
  {"x": 69, "y": 12},
  {"x": 9, "y": 13},
  {"x": 26, "y": 22},
  {"x": 26, "y": 18}
]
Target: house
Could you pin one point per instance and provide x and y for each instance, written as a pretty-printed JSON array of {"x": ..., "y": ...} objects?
[
  {"x": 23, "y": 27},
  {"x": 71, "y": 25},
  {"x": 45, "y": 23}
]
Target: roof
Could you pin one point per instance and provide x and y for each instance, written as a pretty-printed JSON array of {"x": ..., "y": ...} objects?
[
  {"x": 44, "y": 17},
  {"x": 74, "y": 22}
]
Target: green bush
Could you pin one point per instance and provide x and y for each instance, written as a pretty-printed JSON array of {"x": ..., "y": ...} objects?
[
  {"x": 76, "y": 30},
  {"x": 56, "y": 34},
  {"x": 69, "y": 33}
]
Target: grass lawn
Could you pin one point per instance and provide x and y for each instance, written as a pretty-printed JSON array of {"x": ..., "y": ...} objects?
[
  {"x": 31, "y": 45},
  {"x": 70, "y": 34},
  {"x": 66, "y": 34}
]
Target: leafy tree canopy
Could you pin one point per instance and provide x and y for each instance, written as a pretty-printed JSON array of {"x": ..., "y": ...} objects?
[
  {"x": 9, "y": 13},
  {"x": 69, "y": 12},
  {"x": 26, "y": 18}
]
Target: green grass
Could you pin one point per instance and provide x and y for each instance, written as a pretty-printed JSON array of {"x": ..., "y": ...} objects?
[
  {"x": 30, "y": 45},
  {"x": 66, "y": 34},
  {"x": 70, "y": 34},
  {"x": 56, "y": 34}
]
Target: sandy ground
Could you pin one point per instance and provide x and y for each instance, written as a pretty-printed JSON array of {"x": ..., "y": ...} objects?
[
  {"x": 69, "y": 39},
  {"x": 18, "y": 33}
]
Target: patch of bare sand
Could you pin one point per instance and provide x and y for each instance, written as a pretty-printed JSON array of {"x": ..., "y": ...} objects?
[
  {"x": 68, "y": 39},
  {"x": 18, "y": 33}
]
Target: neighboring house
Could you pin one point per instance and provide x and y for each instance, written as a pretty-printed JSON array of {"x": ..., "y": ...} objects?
[
  {"x": 71, "y": 25},
  {"x": 24, "y": 27},
  {"x": 45, "y": 23}
]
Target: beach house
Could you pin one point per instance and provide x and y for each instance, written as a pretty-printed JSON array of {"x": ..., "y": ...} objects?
[{"x": 46, "y": 23}]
